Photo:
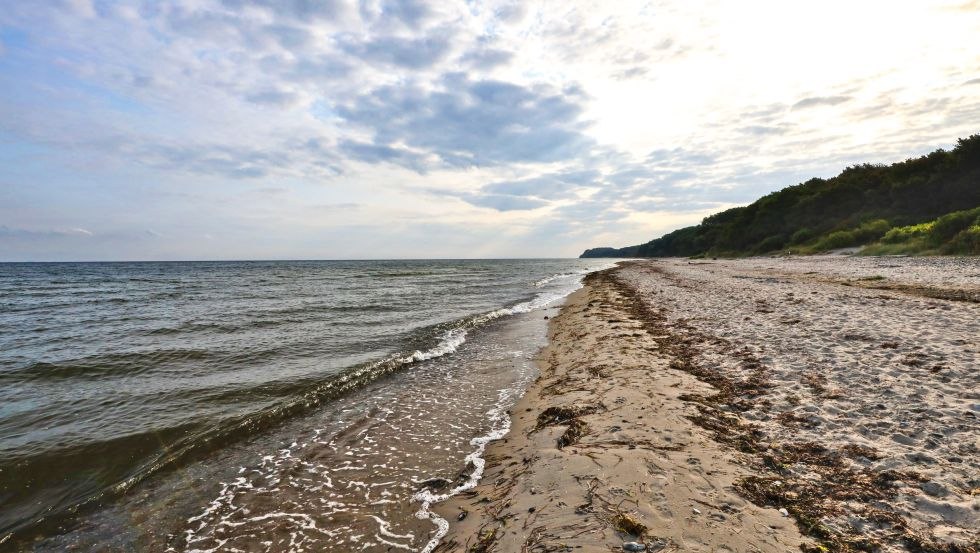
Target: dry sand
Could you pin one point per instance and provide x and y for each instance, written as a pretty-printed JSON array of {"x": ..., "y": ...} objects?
[{"x": 819, "y": 403}]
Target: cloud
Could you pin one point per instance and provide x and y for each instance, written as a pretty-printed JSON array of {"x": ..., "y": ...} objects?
[
  {"x": 410, "y": 53},
  {"x": 272, "y": 190},
  {"x": 549, "y": 187},
  {"x": 487, "y": 58},
  {"x": 303, "y": 10},
  {"x": 228, "y": 162},
  {"x": 503, "y": 202},
  {"x": 277, "y": 97},
  {"x": 481, "y": 122},
  {"x": 680, "y": 156},
  {"x": 314, "y": 69},
  {"x": 375, "y": 153},
  {"x": 291, "y": 37},
  {"x": 204, "y": 25},
  {"x": 815, "y": 101},
  {"x": 764, "y": 130},
  {"x": 531, "y": 193},
  {"x": 83, "y": 8},
  {"x": 43, "y": 234},
  {"x": 412, "y": 14},
  {"x": 631, "y": 73},
  {"x": 513, "y": 12},
  {"x": 650, "y": 178},
  {"x": 340, "y": 206}
]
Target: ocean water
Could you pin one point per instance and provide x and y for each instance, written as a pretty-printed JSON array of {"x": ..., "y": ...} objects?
[{"x": 257, "y": 406}]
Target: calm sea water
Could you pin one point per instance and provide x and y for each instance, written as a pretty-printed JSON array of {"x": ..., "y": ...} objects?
[{"x": 259, "y": 406}]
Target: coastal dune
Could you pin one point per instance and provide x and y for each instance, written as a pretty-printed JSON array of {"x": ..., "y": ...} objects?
[{"x": 815, "y": 404}]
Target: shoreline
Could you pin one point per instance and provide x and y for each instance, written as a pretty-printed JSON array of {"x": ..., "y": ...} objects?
[
  {"x": 338, "y": 433},
  {"x": 684, "y": 427},
  {"x": 582, "y": 451}
]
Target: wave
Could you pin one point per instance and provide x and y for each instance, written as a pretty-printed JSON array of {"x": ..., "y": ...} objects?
[
  {"x": 105, "y": 365},
  {"x": 557, "y": 276},
  {"x": 63, "y": 303},
  {"x": 456, "y": 336},
  {"x": 277, "y": 317},
  {"x": 500, "y": 426},
  {"x": 196, "y": 444}
]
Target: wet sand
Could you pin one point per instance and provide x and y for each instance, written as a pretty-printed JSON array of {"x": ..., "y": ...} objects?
[{"x": 821, "y": 403}]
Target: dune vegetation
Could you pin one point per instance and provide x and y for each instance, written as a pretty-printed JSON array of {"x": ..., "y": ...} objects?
[{"x": 925, "y": 205}]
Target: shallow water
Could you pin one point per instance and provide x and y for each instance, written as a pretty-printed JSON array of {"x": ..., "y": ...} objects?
[{"x": 255, "y": 406}]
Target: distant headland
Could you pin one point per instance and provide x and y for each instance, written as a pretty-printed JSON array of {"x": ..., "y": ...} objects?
[{"x": 925, "y": 205}]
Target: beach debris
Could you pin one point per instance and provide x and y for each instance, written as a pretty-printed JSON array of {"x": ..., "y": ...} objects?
[
  {"x": 783, "y": 512},
  {"x": 484, "y": 542},
  {"x": 696, "y": 511},
  {"x": 568, "y": 415},
  {"x": 628, "y": 524},
  {"x": 435, "y": 483},
  {"x": 464, "y": 475},
  {"x": 858, "y": 451},
  {"x": 462, "y": 514},
  {"x": 634, "y": 546},
  {"x": 564, "y": 413},
  {"x": 576, "y": 429}
]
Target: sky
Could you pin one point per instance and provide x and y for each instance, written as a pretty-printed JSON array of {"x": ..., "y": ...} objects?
[{"x": 333, "y": 129}]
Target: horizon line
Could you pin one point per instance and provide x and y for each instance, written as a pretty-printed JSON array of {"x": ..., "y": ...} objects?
[{"x": 8, "y": 262}]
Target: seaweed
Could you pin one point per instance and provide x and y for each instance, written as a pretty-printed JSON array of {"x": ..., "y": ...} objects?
[
  {"x": 628, "y": 524},
  {"x": 576, "y": 429},
  {"x": 484, "y": 542},
  {"x": 565, "y": 413},
  {"x": 810, "y": 480}
]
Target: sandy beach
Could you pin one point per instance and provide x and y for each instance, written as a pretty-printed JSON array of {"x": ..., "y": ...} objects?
[{"x": 822, "y": 403}]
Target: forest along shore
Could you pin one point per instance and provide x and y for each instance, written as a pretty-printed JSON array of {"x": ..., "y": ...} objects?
[{"x": 818, "y": 404}]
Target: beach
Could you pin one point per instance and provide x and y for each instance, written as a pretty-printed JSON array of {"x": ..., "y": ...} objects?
[{"x": 824, "y": 403}]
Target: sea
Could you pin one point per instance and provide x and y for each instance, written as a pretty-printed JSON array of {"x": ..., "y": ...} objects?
[{"x": 258, "y": 406}]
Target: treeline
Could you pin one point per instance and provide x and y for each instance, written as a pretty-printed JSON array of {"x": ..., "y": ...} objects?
[{"x": 858, "y": 207}]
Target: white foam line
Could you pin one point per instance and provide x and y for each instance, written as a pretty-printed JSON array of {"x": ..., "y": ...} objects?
[
  {"x": 385, "y": 529},
  {"x": 501, "y": 420},
  {"x": 454, "y": 338},
  {"x": 391, "y": 543},
  {"x": 450, "y": 342},
  {"x": 556, "y": 276},
  {"x": 497, "y": 415}
]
